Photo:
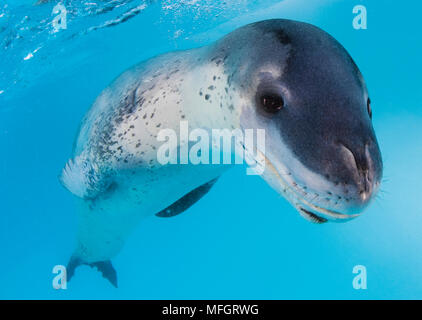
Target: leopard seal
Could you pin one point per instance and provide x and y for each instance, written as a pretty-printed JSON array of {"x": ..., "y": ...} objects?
[{"x": 288, "y": 77}]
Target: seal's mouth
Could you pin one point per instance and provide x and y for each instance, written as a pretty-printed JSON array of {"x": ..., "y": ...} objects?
[
  {"x": 310, "y": 211},
  {"x": 318, "y": 214},
  {"x": 308, "y": 215},
  {"x": 327, "y": 215}
]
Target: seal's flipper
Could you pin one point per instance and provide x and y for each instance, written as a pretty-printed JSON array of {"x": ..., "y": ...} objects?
[
  {"x": 105, "y": 267},
  {"x": 82, "y": 177},
  {"x": 186, "y": 201},
  {"x": 107, "y": 270},
  {"x": 71, "y": 266}
]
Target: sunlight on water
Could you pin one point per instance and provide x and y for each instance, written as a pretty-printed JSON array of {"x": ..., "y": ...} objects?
[{"x": 28, "y": 33}]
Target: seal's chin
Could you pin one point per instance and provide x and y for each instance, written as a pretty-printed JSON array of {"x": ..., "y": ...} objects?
[
  {"x": 308, "y": 215},
  {"x": 314, "y": 213},
  {"x": 308, "y": 209},
  {"x": 317, "y": 214},
  {"x": 323, "y": 215}
]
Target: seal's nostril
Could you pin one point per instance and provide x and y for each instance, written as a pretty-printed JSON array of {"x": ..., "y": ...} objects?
[
  {"x": 360, "y": 159},
  {"x": 359, "y": 162},
  {"x": 350, "y": 156}
]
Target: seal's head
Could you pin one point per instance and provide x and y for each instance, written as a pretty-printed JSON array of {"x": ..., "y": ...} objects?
[{"x": 301, "y": 86}]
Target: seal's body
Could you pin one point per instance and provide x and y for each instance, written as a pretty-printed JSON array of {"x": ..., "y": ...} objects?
[{"x": 289, "y": 78}]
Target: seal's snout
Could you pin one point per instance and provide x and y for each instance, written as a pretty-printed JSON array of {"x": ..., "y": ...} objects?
[{"x": 362, "y": 172}]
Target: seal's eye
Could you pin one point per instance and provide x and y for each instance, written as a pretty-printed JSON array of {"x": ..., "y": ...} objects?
[
  {"x": 368, "y": 105},
  {"x": 271, "y": 102}
]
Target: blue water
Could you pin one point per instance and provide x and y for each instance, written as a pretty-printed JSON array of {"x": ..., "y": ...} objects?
[{"x": 242, "y": 240}]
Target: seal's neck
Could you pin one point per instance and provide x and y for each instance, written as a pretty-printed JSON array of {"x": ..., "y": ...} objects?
[{"x": 209, "y": 101}]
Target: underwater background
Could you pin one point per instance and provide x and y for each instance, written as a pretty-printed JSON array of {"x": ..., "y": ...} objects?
[{"x": 242, "y": 240}]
